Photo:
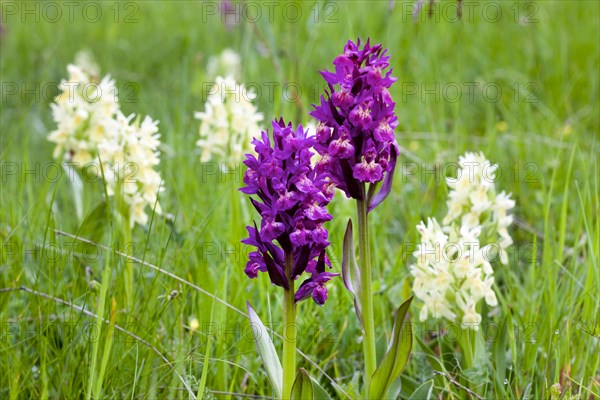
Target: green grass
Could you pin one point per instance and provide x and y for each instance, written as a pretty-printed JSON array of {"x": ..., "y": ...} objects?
[{"x": 546, "y": 143}]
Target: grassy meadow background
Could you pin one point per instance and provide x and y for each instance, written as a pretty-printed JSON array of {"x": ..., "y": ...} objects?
[{"x": 538, "y": 118}]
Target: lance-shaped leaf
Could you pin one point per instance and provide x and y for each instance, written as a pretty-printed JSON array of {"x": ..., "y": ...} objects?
[
  {"x": 386, "y": 186},
  {"x": 303, "y": 386},
  {"x": 350, "y": 270},
  {"x": 397, "y": 354},
  {"x": 318, "y": 392},
  {"x": 267, "y": 351},
  {"x": 307, "y": 388}
]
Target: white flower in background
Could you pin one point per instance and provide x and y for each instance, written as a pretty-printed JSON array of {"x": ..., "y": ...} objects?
[
  {"x": 85, "y": 61},
  {"x": 473, "y": 202},
  {"x": 228, "y": 63},
  {"x": 130, "y": 158},
  {"x": 452, "y": 273},
  {"x": 229, "y": 121},
  {"x": 93, "y": 132},
  {"x": 83, "y": 112},
  {"x": 501, "y": 205},
  {"x": 469, "y": 190}
]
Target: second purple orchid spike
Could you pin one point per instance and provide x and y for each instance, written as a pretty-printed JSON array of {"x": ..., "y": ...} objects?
[{"x": 355, "y": 135}]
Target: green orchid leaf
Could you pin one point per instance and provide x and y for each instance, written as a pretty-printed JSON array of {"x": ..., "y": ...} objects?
[
  {"x": 350, "y": 270},
  {"x": 397, "y": 354},
  {"x": 303, "y": 386},
  {"x": 267, "y": 351}
]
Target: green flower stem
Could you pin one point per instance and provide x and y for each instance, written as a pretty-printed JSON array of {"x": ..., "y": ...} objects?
[
  {"x": 94, "y": 387},
  {"x": 289, "y": 330},
  {"x": 467, "y": 343},
  {"x": 366, "y": 300},
  {"x": 126, "y": 235}
]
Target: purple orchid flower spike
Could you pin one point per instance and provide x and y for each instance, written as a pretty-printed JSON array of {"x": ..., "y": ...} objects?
[
  {"x": 291, "y": 198},
  {"x": 355, "y": 135},
  {"x": 356, "y": 141}
]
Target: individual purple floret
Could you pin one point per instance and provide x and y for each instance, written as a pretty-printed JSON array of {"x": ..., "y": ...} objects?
[
  {"x": 315, "y": 285},
  {"x": 355, "y": 135},
  {"x": 291, "y": 199}
]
